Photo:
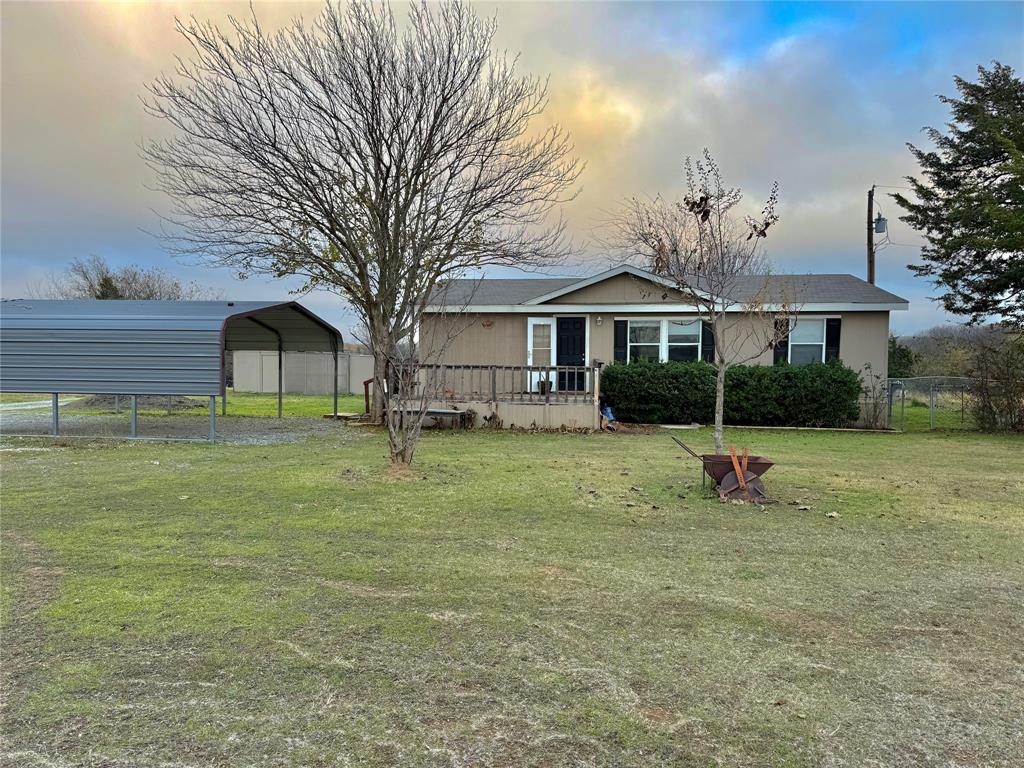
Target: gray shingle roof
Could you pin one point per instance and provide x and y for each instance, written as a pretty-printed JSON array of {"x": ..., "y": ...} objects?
[
  {"x": 816, "y": 289},
  {"x": 803, "y": 289},
  {"x": 501, "y": 290}
]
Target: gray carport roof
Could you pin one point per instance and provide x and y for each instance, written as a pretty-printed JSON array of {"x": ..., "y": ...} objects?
[{"x": 144, "y": 347}]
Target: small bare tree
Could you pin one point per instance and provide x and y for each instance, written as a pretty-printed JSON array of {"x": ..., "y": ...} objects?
[
  {"x": 94, "y": 278},
  {"x": 714, "y": 256},
  {"x": 373, "y": 163}
]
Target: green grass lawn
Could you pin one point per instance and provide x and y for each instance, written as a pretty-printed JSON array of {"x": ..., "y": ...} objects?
[
  {"x": 915, "y": 416},
  {"x": 517, "y": 599},
  {"x": 24, "y": 397}
]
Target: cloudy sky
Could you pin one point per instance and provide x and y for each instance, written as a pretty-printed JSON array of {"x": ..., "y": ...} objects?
[{"x": 821, "y": 97}]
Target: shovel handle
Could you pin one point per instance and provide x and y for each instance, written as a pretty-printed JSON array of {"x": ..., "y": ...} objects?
[{"x": 686, "y": 448}]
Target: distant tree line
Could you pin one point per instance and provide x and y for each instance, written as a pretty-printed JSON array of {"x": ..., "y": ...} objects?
[
  {"x": 945, "y": 350},
  {"x": 94, "y": 278}
]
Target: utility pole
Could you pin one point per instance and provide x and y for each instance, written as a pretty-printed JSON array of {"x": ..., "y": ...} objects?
[{"x": 871, "y": 235}]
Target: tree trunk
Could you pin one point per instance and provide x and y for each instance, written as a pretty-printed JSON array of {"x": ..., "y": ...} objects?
[
  {"x": 394, "y": 403},
  {"x": 720, "y": 409},
  {"x": 380, "y": 345},
  {"x": 380, "y": 372}
]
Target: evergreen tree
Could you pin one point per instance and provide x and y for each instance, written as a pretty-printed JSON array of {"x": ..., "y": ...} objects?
[
  {"x": 901, "y": 359},
  {"x": 970, "y": 204}
]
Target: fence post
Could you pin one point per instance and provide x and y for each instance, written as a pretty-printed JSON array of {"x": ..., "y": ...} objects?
[
  {"x": 133, "y": 425},
  {"x": 903, "y": 407},
  {"x": 931, "y": 405},
  {"x": 56, "y": 415}
]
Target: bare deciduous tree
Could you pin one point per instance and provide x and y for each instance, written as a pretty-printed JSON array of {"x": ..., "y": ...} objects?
[
  {"x": 374, "y": 163},
  {"x": 714, "y": 256},
  {"x": 94, "y": 278}
]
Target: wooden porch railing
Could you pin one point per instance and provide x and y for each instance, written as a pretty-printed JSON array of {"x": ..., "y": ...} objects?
[{"x": 513, "y": 383}]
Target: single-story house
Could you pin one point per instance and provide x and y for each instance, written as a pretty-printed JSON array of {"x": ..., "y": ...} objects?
[{"x": 627, "y": 313}]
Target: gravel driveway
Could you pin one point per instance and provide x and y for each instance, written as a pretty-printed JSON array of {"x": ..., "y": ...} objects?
[{"x": 252, "y": 430}]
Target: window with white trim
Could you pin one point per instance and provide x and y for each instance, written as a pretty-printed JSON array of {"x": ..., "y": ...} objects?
[
  {"x": 683, "y": 340},
  {"x": 644, "y": 340},
  {"x": 807, "y": 341},
  {"x": 663, "y": 339}
]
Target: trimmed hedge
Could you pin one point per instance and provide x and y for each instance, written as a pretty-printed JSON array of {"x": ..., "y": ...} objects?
[{"x": 819, "y": 395}]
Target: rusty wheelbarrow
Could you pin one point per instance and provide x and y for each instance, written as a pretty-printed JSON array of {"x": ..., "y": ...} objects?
[{"x": 726, "y": 470}]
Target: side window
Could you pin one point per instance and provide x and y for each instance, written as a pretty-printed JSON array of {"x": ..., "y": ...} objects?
[
  {"x": 684, "y": 340},
  {"x": 807, "y": 342}
]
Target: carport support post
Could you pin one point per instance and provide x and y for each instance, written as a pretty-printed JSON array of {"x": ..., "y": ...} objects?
[
  {"x": 133, "y": 428},
  {"x": 56, "y": 415},
  {"x": 335, "y": 345},
  {"x": 280, "y": 375},
  {"x": 213, "y": 418}
]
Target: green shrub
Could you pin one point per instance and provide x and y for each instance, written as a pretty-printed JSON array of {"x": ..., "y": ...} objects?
[
  {"x": 660, "y": 393},
  {"x": 820, "y": 395}
]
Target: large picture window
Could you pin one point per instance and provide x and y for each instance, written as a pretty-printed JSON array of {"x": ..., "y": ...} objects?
[
  {"x": 664, "y": 339},
  {"x": 807, "y": 341}
]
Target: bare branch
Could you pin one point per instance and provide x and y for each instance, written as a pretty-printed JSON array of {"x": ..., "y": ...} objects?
[{"x": 715, "y": 258}]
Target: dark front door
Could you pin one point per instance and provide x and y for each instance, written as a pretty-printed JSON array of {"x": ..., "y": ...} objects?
[{"x": 571, "y": 351}]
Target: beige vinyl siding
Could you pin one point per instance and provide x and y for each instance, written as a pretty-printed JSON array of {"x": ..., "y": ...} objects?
[
  {"x": 865, "y": 339},
  {"x": 485, "y": 339}
]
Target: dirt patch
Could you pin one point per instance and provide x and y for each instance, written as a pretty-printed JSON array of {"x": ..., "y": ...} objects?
[
  {"x": 23, "y": 631},
  {"x": 659, "y": 715},
  {"x": 627, "y": 428}
]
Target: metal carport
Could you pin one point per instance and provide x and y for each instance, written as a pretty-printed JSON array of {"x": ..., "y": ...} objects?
[{"x": 147, "y": 347}]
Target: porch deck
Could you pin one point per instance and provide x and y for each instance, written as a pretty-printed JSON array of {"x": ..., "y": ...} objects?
[{"x": 544, "y": 397}]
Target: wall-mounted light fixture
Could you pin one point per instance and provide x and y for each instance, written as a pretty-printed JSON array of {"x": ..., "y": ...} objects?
[{"x": 598, "y": 320}]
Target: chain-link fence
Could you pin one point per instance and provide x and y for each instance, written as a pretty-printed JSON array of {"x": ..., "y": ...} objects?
[
  {"x": 930, "y": 402},
  {"x": 156, "y": 416}
]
